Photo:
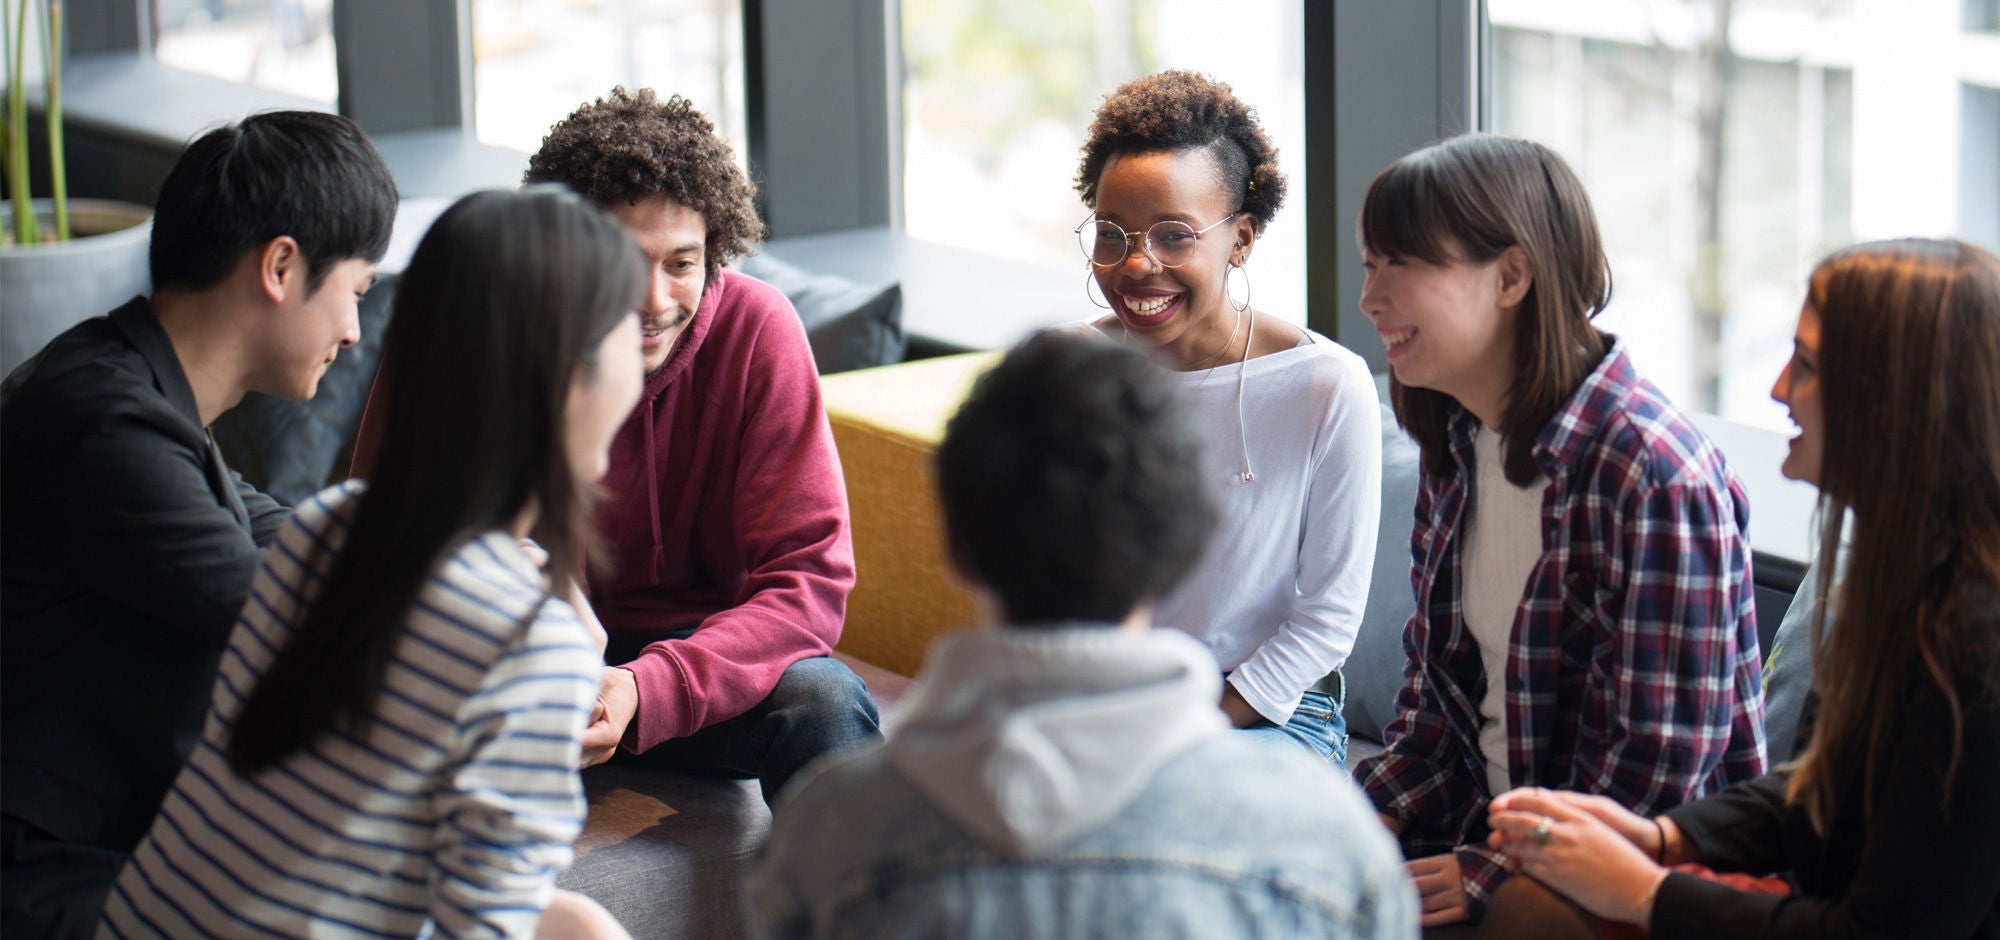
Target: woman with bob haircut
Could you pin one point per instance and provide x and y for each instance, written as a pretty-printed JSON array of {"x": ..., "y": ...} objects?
[
  {"x": 1584, "y": 613},
  {"x": 1181, "y": 181},
  {"x": 393, "y": 740},
  {"x": 1887, "y": 820}
]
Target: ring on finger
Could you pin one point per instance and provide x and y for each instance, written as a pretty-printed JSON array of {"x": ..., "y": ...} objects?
[{"x": 1541, "y": 832}]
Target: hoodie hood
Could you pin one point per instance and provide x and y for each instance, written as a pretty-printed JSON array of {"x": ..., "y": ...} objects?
[{"x": 1030, "y": 737}]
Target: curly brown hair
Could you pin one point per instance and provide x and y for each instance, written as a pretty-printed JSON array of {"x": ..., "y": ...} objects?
[
  {"x": 631, "y": 145},
  {"x": 1176, "y": 110}
]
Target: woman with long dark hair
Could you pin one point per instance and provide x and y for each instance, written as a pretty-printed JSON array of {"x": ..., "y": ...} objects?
[
  {"x": 1888, "y": 820},
  {"x": 395, "y": 730},
  {"x": 1584, "y": 609}
]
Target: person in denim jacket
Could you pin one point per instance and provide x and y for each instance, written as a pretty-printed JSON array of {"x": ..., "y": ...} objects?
[{"x": 1063, "y": 770}]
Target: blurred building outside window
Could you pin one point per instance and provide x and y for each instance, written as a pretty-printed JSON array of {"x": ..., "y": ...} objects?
[
  {"x": 1724, "y": 163},
  {"x": 535, "y": 61},
  {"x": 998, "y": 95},
  {"x": 283, "y": 45}
]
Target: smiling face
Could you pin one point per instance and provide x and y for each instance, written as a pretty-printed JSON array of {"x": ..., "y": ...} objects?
[
  {"x": 1182, "y": 310},
  {"x": 1448, "y": 327},
  {"x": 1798, "y": 389},
  {"x": 673, "y": 238},
  {"x": 314, "y": 328}
]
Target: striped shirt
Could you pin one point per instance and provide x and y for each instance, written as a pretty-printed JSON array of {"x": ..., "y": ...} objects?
[
  {"x": 1632, "y": 670},
  {"x": 451, "y": 816}
]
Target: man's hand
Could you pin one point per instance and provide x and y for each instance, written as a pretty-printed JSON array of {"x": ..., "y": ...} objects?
[
  {"x": 617, "y": 702},
  {"x": 1240, "y": 713},
  {"x": 1439, "y": 889}
]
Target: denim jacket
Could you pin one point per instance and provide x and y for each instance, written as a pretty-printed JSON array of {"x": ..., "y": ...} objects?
[{"x": 1072, "y": 782}]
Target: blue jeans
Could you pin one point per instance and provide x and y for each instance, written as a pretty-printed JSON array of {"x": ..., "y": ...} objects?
[
  {"x": 1317, "y": 724},
  {"x": 818, "y": 707}
]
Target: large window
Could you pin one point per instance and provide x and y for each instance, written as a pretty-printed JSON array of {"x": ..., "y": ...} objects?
[
  {"x": 1728, "y": 144},
  {"x": 535, "y": 61},
  {"x": 284, "y": 45},
  {"x": 997, "y": 95}
]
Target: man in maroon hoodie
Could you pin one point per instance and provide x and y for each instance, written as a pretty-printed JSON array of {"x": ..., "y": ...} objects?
[
  {"x": 724, "y": 559},
  {"x": 726, "y": 524}
]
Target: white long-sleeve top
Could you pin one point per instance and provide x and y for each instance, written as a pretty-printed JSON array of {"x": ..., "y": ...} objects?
[
  {"x": 451, "y": 816},
  {"x": 1278, "y": 593}
]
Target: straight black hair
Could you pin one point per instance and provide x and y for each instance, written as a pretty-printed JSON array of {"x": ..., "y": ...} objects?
[
  {"x": 307, "y": 174},
  {"x": 502, "y": 308},
  {"x": 1071, "y": 481}
]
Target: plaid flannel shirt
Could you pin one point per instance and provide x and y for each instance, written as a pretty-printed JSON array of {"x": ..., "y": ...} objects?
[{"x": 1633, "y": 670}]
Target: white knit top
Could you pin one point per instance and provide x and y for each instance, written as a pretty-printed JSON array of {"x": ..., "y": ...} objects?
[
  {"x": 1278, "y": 593},
  {"x": 1502, "y": 544}
]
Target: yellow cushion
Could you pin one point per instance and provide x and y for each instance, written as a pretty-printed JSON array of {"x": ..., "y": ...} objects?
[{"x": 887, "y": 424}]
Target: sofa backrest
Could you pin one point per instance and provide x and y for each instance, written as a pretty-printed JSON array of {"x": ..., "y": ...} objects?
[{"x": 1374, "y": 669}]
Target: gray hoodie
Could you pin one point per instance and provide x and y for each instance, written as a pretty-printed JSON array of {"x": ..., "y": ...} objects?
[{"x": 1029, "y": 737}]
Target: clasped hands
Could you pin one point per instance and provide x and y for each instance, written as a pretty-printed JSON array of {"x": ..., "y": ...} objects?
[{"x": 1606, "y": 858}]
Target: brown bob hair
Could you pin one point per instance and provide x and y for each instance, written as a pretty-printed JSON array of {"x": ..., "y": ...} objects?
[{"x": 1467, "y": 199}]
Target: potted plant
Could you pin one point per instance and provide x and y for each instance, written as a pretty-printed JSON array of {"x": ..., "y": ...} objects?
[{"x": 62, "y": 260}]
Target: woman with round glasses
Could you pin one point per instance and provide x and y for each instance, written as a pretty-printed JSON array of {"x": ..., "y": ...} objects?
[{"x": 1181, "y": 181}]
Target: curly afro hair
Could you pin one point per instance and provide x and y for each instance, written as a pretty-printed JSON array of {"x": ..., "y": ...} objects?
[
  {"x": 632, "y": 145},
  {"x": 1177, "y": 110}
]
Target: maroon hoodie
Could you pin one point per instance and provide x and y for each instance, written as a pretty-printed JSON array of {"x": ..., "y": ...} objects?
[{"x": 725, "y": 513}]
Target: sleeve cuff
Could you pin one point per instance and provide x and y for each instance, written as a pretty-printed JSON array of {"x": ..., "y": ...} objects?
[
  {"x": 1263, "y": 694},
  {"x": 664, "y": 703}
]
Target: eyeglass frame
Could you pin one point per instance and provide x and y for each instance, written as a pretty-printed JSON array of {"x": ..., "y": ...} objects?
[{"x": 1146, "y": 244}]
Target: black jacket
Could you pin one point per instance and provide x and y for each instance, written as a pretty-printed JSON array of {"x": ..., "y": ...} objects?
[
  {"x": 126, "y": 552},
  {"x": 1920, "y": 867}
]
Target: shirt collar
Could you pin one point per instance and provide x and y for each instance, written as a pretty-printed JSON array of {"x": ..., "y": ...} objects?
[
  {"x": 1570, "y": 432},
  {"x": 142, "y": 329}
]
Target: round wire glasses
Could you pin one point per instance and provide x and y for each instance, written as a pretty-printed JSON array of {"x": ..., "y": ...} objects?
[{"x": 1169, "y": 243}]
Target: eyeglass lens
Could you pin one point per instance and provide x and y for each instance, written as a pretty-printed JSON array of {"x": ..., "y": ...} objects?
[{"x": 1169, "y": 243}]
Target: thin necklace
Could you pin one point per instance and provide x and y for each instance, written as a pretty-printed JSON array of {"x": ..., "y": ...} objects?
[
  {"x": 1242, "y": 432},
  {"x": 1216, "y": 356},
  {"x": 1227, "y": 342}
]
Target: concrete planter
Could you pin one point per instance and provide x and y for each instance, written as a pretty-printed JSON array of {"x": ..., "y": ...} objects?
[{"x": 47, "y": 288}]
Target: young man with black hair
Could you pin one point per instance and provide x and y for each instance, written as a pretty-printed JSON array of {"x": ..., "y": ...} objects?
[
  {"x": 1063, "y": 770},
  {"x": 725, "y": 559},
  {"x": 129, "y": 545}
]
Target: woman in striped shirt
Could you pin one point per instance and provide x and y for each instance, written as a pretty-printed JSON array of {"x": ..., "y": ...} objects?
[{"x": 392, "y": 744}]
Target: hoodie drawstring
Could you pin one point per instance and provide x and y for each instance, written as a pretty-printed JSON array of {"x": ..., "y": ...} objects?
[{"x": 653, "y": 498}]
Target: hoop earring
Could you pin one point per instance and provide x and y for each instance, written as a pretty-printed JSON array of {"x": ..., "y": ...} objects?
[
  {"x": 1089, "y": 278},
  {"x": 1230, "y": 294}
]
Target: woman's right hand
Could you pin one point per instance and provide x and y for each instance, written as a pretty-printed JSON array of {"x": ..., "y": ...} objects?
[{"x": 1638, "y": 830}]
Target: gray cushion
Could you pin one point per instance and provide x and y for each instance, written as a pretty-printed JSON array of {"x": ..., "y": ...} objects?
[
  {"x": 1374, "y": 669},
  {"x": 663, "y": 852},
  {"x": 292, "y": 449},
  {"x": 849, "y": 326}
]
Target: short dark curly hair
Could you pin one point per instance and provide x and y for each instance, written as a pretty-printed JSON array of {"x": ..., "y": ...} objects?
[
  {"x": 1176, "y": 110},
  {"x": 632, "y": 145},
  {"x": 1072, "y": 481}
]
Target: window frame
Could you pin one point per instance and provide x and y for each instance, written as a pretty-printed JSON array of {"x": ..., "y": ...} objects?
[{"x": 824, "y": 127}]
